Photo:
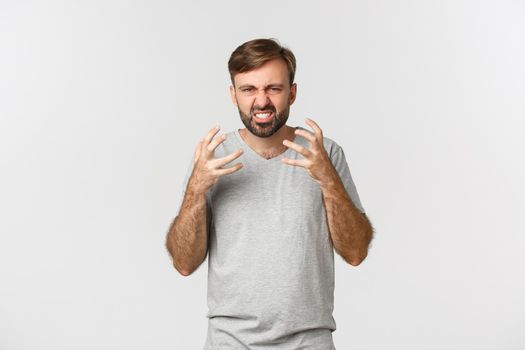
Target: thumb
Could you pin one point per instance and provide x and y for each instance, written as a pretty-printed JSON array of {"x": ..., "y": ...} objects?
[{"x": 198, "y": 151}]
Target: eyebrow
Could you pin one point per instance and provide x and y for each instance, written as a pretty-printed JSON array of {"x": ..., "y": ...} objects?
[{"x": 267, "y": 86}]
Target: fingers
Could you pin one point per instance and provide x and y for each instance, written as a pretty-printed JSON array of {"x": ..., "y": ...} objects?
[
  {"x": 210, "y": 135},
  {"x": 297, "y": 162},
  {"x": 306, "y": 134},
  {"x": 300, "y": 149},
  {"x": 314, "y": 126},
  {"x": 197, "y": 151},
  {"x": 226, "y": 171},
  {"x": 220, "y": 162},
  {"x": 215, "y": 142}
]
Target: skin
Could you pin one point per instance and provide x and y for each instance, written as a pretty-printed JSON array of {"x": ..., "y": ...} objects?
[
  {"x": 187, "y": 238},
  {"x": 350, "y": 230},
  {"x": 266, "y": 88}
]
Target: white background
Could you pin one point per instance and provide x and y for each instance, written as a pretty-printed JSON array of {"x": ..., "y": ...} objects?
[{"x": 102, "y": 103}]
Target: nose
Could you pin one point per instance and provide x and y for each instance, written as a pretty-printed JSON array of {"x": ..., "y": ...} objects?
[{"x": 261, "y": 98}]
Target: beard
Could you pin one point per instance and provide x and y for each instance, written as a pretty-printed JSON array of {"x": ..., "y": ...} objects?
[{"x": 264, "y": 129}]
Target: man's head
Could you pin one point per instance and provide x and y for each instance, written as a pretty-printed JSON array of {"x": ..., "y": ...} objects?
[{"x": 262, "y": 74}]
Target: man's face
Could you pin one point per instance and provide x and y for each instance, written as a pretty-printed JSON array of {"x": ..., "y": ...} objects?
[{"x": 264, "y": 89}]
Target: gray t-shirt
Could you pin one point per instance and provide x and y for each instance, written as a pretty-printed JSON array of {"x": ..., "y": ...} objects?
[{"x": 271, "y": 259}]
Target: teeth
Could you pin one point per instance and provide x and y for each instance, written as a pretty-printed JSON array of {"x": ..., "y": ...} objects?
[{"x": 262, "y": 115}]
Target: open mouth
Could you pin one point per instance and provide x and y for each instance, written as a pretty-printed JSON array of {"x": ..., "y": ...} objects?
[{"x": 263, "y": 117}]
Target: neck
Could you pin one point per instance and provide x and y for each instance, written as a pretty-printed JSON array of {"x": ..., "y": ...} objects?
[{"x": 272, "y": 145}]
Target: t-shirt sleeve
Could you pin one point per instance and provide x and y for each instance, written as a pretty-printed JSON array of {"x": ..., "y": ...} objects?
[{"x": 339, "y": 161}]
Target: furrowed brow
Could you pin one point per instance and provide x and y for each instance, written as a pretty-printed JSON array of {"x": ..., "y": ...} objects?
[{"x": 267, "y": 86}]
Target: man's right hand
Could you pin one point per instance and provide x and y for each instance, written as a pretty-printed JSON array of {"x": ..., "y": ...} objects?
[{"x": 207, "y": 169}]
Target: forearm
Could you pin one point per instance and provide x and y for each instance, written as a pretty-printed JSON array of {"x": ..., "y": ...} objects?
[
  {"x": 350, "y": 230},
  {"x": 187, "y": 239}
]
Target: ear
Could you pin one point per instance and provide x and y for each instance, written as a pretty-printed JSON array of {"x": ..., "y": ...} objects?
[
  {"x": 293, "y": 93},
  {"x": 232, "y": 94}
]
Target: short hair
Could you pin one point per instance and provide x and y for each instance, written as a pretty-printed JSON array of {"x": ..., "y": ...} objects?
[{"x": 254, "y": 53}]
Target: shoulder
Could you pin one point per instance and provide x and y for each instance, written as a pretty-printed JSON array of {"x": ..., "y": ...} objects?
[{"x": 331, "y": 147}]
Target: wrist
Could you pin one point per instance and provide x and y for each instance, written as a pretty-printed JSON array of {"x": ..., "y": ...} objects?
[
  {"x": 196, "y": 187},
  {"x": 331, "y": 180}
]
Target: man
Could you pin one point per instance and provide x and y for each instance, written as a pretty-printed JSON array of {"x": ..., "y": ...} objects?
[{"x": 271, "y": 221}]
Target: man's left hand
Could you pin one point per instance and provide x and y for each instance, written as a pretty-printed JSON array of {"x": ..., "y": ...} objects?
[{"x": 316, "y": 160}]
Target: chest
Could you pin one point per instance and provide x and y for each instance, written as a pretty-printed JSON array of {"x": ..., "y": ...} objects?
[{"x": 257, "y": 193}]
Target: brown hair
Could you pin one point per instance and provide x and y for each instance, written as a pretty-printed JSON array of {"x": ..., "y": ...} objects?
[{"x": 254, "y": 53}]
